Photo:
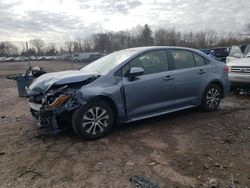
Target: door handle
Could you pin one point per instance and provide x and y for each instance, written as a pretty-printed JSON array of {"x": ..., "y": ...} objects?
[
  {"x": 168, "y": 78},
  {"x": 201, "y": 72}
]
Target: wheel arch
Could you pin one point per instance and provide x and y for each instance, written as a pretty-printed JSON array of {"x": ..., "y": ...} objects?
[
  {"x": 204, "y": 104},
  {"x": 217, "y": 82},
  {"x": 111, "y": 103}
]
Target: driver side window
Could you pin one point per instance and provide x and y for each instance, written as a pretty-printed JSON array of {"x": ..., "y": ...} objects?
[{"x": 152, "y": 62}]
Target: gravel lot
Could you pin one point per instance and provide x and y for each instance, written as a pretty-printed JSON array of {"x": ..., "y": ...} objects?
[{"x": 190, "y": 148}]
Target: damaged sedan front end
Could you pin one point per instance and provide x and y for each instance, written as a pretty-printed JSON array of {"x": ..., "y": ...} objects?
[
  {"x": 86, "y": 100},
  {"x": 53, "y": 98}
]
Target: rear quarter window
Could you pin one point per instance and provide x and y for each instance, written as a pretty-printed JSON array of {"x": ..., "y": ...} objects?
[{"x": 199, "y": 60}]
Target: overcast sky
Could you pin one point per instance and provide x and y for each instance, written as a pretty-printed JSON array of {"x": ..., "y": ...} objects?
[{"x": 60, "y": 20}]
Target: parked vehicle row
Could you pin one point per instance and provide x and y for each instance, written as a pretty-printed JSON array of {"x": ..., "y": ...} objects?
[
  {"x": 25, "y": 58},
  {"x": 86, "y": 57},
  {"x": 46, "y": 58},
  {"x": 219, "y": 53},
  {"x": 237, "y": 58},
  {"x": 239, "y": 68},
  {"x": 81, "y": 57},
  {"x": 227, "y": 54}
]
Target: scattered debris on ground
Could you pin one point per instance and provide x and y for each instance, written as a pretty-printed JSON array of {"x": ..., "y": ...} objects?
[
  {"x": 2, "y": 153},
  {"x": 141, "y": 182}
]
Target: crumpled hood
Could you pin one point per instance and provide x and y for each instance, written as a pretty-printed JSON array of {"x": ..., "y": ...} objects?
[
  {"x": 44, "y": 82},
  {"x": 240, "y": 62}
]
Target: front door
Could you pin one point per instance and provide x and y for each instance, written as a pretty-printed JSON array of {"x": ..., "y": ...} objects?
[{"x": 151, "y": 92}]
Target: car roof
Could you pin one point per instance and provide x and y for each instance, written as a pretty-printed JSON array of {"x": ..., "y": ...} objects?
[{"x": 147, "y": 48}]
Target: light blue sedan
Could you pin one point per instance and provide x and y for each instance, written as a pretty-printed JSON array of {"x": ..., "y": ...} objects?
[{"x": 126, "y": 86}]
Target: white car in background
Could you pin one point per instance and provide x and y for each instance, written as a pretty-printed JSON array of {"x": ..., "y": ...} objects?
[
  {"x": 21, "y": 58},
  {"x": 239, "y": 72},
  {"x": 237, "y": 52},
  {"x": 32, "y": 58},
  {"x": 9, "y": 59},
  {"x": 2, "y": 59}
]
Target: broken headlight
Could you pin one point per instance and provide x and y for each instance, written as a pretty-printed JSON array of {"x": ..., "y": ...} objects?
[
  {"x": 57, "y": 90},
  {"x": 56, "y": 97},
  {"x": 59, "y": 101}
]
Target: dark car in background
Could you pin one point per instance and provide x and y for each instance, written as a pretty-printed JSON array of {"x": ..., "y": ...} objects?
[
  {"x": 206, "y": 51},
  {"x": 127, "y": 86},
  {"x": 209, "y": 52},
  {"x": 87, "y": 57},
  {"x": 95, "y": 56},
  {"x": 221, "y": 53}
]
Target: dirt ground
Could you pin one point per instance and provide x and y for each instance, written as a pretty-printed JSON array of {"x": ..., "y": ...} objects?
[{"x": 190, "y": 148}]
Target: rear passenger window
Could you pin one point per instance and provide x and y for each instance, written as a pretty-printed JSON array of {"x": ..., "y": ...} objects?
[
  {"x": 182, "y": 59},
  {"x": 199, "y": 60}
]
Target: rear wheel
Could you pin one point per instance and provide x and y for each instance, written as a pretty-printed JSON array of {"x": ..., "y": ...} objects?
[
  {"x": 94, "y": 120},
  {"x": 212, "y": 97}
]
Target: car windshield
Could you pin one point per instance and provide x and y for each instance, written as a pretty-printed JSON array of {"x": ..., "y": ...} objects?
[
  {"x": 107, "y": 63},
  {"x": 247, "y": 51},
  {"x": 235, "y": 51},
  {"x": 248, "y": 54}
]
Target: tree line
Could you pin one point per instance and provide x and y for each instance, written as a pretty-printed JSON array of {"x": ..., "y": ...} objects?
[{"x": 107, "y": 42}]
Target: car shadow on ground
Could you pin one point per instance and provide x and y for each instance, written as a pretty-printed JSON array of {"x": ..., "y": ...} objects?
[{"x": 161, "y": 120}]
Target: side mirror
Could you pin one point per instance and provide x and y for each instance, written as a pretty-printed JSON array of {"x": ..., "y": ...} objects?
[
  {"x": 237, "y": 55},
  {"x": 134, "y": 72}
]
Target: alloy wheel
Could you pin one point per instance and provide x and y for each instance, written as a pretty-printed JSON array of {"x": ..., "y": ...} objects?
[
  {"x": 213, "y": 98},
  {"x": 95, "y": 120}
]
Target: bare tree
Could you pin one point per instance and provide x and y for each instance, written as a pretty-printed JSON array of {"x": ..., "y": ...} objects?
[
  {"x": 39, "y": 44},
  {"x": 7, "y": 49},
  {"x": 144, "y": 36},
  {"x": 167, "y": 37},
  {"x": 69, "y": 46},
  {"x": 87, "y": 45},
  {"x": 51, "y": 49}
]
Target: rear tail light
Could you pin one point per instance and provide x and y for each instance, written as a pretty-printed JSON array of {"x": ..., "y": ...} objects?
[{"x": 226, "y": 68}]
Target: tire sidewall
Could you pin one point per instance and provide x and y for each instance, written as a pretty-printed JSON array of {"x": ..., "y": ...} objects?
[{"x": 80, "y": 112}]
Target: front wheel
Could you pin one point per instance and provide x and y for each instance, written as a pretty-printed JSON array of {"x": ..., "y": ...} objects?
[
  {"x": 212, "y": 97},
  {"x": 94, "y": 120}
]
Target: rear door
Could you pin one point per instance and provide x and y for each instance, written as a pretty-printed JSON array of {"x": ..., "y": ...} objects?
[
  {"x": 189, "y": 76},
  {"x": 152, "y": 91}
]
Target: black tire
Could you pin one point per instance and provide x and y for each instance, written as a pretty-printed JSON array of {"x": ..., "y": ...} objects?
[
  {"x": 211, "y": 98},
  {"x": 87, "y": 125}
]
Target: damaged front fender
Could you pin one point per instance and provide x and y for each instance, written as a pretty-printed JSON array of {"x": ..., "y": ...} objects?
[{"x": 54, "y": 96}]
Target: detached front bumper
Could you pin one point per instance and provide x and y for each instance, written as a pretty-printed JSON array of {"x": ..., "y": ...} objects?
[
  {"x": 45, "y": 118},
  {"x": 54, "y": 120}
]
